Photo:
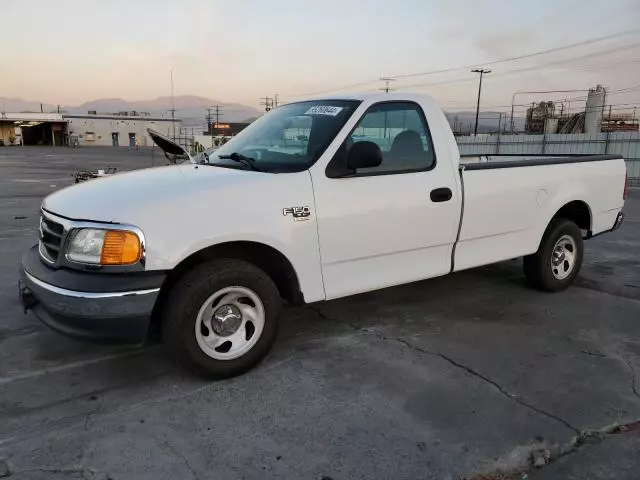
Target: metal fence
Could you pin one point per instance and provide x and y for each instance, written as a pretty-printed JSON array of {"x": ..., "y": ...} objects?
[{"x": 626, "y": 144}]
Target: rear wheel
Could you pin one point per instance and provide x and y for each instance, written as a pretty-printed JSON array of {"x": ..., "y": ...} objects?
[
  {"x": 558, "y": 260},
  {"x": 221, "y": 318}
]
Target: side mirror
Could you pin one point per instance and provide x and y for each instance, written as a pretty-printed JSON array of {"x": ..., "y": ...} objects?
[{"x": 364, "y": 155}]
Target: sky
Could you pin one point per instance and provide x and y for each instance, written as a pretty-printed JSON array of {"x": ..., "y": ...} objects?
[{"x": 70, "y": 51}]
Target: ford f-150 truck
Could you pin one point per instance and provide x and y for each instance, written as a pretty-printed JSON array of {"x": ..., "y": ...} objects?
[{"x": 315, "y": 200}]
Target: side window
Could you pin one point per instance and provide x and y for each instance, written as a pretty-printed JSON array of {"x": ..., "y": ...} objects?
[{"x": 400, "y": 130}]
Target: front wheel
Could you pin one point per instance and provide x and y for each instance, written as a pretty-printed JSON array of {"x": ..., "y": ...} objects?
[
  {"x": 221, "y": 318},
  {"x": 558, "y": 260}
]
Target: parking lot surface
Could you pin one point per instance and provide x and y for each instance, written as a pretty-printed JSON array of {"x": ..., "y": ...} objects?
[{"x": 474, "y": 375}]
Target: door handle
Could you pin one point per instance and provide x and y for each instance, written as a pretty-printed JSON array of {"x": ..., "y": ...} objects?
[{"x": 441, "y": 194}]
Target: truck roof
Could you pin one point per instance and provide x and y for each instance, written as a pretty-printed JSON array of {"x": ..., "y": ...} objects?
[{"x": 374, "y": 97}]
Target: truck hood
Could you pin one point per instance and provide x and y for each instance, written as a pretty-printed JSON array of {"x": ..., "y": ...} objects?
[{"x": 122, "y": 197}]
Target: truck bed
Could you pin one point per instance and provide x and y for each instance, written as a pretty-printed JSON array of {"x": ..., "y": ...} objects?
[{"x": 508, "y": 201}]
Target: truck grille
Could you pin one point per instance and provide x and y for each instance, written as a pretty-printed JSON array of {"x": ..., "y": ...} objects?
[{"x": 50, "y": 239}]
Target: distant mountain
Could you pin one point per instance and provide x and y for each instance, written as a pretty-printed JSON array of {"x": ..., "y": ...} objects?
[
  {"x": 20, "y": 105},
  {"x": 181, "y": 102},
  {"x": 101, "y": 105},
  {"x": 190, "y": 108}
]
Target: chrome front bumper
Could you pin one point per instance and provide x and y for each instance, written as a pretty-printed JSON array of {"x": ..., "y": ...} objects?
[{"x": 112, "y": 316}]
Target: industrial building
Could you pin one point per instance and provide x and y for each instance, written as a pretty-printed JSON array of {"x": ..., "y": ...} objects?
[
  {"x": 92, "y": 129},
  {"x": 540, "y": 118},
  {"x": 118, "y": 130},
  {"x": 544, "y": 117},
  {"x": 32, "y": 129}
]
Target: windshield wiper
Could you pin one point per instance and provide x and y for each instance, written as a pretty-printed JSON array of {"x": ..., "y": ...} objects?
[{"x": 243, "y": 159}]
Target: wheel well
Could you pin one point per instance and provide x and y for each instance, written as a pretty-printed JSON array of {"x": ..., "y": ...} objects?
[
  {"x": 267, "y": 258},
  {"x": 578, "y": 212}
]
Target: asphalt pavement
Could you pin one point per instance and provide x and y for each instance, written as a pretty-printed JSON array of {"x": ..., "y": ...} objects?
[{"x": 472, "y": 376}]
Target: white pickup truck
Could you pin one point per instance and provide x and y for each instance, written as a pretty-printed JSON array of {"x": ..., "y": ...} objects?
[{"x": 315, "y": 200}]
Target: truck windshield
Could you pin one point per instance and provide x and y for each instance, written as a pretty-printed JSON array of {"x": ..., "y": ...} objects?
[{"x": 290, "y": 138}]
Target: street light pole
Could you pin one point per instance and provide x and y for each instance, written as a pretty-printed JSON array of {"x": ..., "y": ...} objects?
[{"x": 481, "y": 71}]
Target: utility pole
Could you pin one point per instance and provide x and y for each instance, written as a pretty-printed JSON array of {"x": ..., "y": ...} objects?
[
  {"x": 208, "y": 119},
  {"x": 275, "y": 100},
  {"x": 209, "y": 126},
  {"x": 481, "y": 71},
  {"x": 217, "y": 107},
  {"x": 513, "y": 99},
  {"x": 267, "y": 102},
  {"x": 386, "y": 81},
  {"x": 217, "y": 122},
  {"x": 173, "y": 110}
]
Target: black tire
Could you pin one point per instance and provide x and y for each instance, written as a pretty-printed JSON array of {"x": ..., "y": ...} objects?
[
  {"x": 190, "y": 293},
  {"x": 538, "y": 268}
]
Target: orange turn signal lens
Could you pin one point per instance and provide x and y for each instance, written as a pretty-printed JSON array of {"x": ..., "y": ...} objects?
[{"x": 120, "y": 247}]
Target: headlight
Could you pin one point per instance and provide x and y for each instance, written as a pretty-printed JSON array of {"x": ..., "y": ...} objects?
[{"x": 104, "y": 247}]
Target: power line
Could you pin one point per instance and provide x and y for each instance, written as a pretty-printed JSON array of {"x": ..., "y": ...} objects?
[
  {"x": 528, "y": 55},
  {"x": 607, "y": 64},
  {"x": 525, "y": 69},
  {"x": 609, "y": 92},
  {"x": 346, "y": 87},
  {"x": 623, "y": 90},
  {"x": 556, "y": 101},
  {"x": 493, "y": 62}
]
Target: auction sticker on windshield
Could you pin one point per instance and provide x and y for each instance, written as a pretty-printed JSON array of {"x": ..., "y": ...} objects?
[{"x": 323, "y": 110}]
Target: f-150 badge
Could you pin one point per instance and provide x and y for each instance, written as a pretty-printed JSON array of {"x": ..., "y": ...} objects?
[{"x": 299, "y": 214}]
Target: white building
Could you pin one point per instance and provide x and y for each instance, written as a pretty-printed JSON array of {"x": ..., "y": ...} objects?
[{"x": 118, "y": 130}]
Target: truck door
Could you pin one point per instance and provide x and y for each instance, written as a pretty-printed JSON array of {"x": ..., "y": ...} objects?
[{"x": 390, "y": 224}]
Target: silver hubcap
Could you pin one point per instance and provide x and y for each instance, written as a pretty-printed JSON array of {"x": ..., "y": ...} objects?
[
  {"x": 230, "y": 323},
  {"x": 563, "y": 257}
]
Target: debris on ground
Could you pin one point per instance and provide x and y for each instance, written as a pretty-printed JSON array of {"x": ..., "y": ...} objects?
[
  {"x": 539, "y": 458},
  {"x": 526, "y": 459},
  {"x": 84, "y": 175}
]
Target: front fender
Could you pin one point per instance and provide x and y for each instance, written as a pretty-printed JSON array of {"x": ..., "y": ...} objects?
[{"x": 253, "y": 214}]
